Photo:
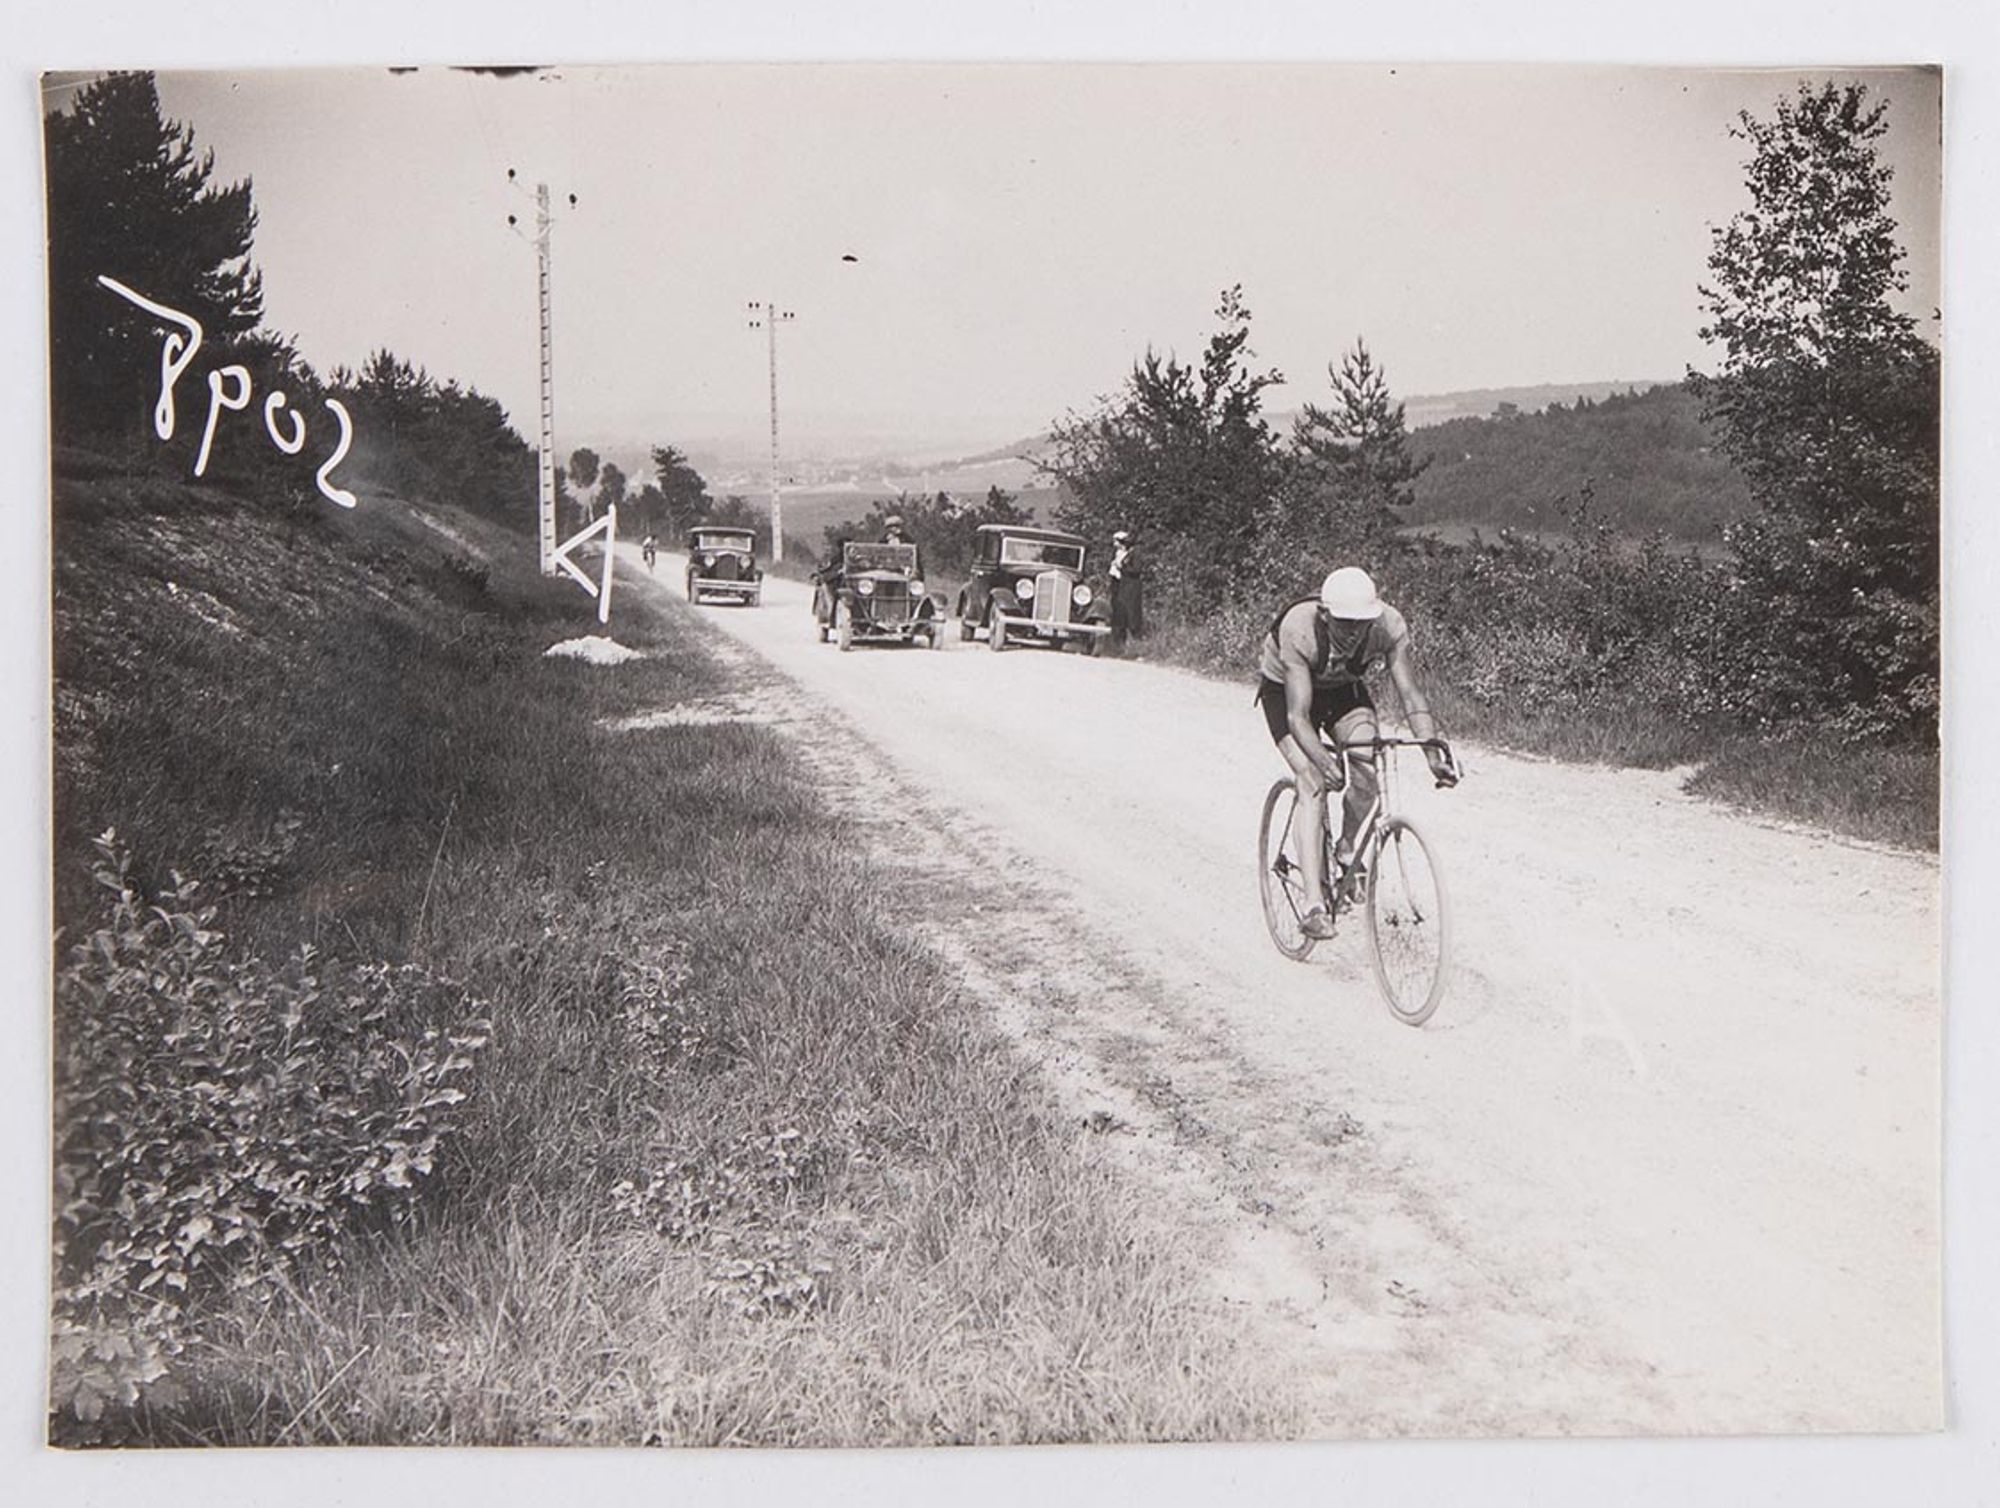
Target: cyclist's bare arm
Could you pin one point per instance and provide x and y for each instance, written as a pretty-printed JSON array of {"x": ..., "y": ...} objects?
[{"x": 1417, "y": 708}]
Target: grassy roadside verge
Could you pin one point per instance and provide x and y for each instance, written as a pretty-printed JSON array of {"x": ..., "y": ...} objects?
[
  {"x": 1864, "y": 790},
  {"x": 738, "y": 1165}
]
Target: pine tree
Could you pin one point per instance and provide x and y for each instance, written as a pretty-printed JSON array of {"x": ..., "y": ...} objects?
[
  {"x": 1353, "y": 458},
  {"x": 131, "y": 198}
]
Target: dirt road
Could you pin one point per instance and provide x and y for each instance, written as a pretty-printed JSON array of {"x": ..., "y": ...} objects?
[{"x": 1666, "y": 1159}]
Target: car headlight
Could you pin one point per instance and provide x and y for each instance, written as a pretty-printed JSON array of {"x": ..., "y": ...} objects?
[
  {"x": 916, "y": 588},
  {"x": 708, "y": 560},
  {"x": 1081, "y": 596},
  {"x": 1024, "y": 589},
  {"x": 865, "y": 588}
]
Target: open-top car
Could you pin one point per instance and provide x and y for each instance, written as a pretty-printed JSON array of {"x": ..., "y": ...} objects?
[
  {"x": 1028, "y": 587},
  {"x": 723, "y": 563},
  {"x": 873, "y": 595}
]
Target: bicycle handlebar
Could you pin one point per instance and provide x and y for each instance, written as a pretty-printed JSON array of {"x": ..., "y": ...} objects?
[{"x": 1379, "y": 742}]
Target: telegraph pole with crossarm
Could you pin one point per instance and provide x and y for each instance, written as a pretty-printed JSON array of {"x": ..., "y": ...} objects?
[
  {"x": 768, "y": 316},
  {"x": 546, "y": 448}
]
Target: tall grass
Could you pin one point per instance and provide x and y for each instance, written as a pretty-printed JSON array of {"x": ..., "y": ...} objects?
[{"x": 742, "y": 1164}]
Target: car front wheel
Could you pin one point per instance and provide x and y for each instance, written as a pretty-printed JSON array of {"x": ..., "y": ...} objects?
[{"x": 843, "y": 617}]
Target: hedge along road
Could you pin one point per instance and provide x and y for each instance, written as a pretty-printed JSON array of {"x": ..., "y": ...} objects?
[{"x": 1667, "y": 1158}]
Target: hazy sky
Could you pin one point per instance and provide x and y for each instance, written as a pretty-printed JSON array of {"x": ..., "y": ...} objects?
[{"x": 1022, "y": 232}]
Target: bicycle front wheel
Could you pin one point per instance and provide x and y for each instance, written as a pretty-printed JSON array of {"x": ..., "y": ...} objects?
[
  {"x": 1281, "y": 880},
  {"x": 1409, "y": 922}
]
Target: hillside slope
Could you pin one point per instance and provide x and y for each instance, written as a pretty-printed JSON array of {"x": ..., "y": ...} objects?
[
  {"x": 723, "y": 1156},
  {"x": 1650, "y": 460}
]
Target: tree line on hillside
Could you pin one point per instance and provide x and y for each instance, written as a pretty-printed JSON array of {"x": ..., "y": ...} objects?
[
  {"x": 1226, "y": 506},
  {"x": 672, "y": 502},
  {"x": 1824, "y": 617},
  {"x": 941, "y": 525},
  {"x": 131, "y": 197},
  {"x": 1651, "y": 460}
]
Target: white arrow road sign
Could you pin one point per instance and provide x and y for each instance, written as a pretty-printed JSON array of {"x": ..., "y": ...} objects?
[{"x": 608, "y": 527}]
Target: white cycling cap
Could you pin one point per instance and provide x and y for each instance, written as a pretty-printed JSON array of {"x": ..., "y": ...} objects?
[
  {"x": 1350, "y": 593},
  {"x": 1119, "y": 536}
]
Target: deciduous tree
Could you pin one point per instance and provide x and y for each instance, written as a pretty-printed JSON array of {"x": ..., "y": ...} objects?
[
  {"x": 683, "y": 491},
  {"x": 610, "y": 488},
  {"x": 1183, "y": 454},
  {"x": 1828, "y": 399}
]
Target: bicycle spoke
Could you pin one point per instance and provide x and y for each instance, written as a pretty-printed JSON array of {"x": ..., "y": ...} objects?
[
  {"x": 1412, "y": 894},
  {"x": 1407, "y": 930},
  {"x": 1280, "y": 876}
]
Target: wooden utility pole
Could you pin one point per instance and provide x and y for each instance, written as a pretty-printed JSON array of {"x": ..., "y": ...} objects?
[
  {"x": 770, "y": 316},
  {"x": 547, "y": 467}
]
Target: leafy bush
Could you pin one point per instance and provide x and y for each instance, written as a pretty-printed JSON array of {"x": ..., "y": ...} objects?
[{"x": 218, "y": 1119}]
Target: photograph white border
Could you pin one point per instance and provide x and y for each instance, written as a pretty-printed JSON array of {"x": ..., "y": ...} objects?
[{"x": 1958, "y": 1465}]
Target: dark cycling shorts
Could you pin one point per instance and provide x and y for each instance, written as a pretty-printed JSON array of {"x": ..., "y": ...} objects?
[{"x": 1330, "y": 705}]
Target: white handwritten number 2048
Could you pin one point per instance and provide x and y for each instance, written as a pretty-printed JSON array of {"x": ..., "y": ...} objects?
[{"x": 229, "y": 388}]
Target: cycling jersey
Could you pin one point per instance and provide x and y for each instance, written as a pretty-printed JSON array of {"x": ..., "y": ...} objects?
[{"x": 1338, "y": 651}]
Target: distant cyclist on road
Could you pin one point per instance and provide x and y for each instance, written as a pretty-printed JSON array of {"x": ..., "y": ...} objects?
[
  {"x": 1312, "y": 670},
  {"x": 650, "y": 548}
]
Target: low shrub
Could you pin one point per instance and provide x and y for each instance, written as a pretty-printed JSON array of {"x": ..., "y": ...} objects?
[{"x": 217, "y": 1120}]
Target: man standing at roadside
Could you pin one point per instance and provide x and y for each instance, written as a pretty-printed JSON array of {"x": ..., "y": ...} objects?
[
  {"x": 1312, "y": 670},
  {"x": 1128, "y": 618}
]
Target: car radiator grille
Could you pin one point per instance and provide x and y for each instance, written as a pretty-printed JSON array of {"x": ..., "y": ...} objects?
[
  {"x": 890, "y": 605},
  {"x": 726, "y": 568},
  {"x": 1052, "y": 597}
]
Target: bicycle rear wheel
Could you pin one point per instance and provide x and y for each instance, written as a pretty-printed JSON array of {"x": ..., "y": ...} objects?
[
  {"x": 1280, "y": 879},
  {"x": 1409, "y": 922}
]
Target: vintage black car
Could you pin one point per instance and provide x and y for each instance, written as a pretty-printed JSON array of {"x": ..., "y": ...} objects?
[
  {"x": 873, "y": 595},
  {"x": 723, "y": 563},
  {"x": 1028, "y": 587}
]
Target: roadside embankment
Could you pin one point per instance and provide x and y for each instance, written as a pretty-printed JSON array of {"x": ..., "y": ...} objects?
[{"x": 736, "y": 1162}]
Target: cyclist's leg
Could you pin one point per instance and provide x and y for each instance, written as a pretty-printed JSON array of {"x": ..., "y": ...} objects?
[
  {"x": 1310, "y": 818},
  {"x": 1355, "y": 727}
]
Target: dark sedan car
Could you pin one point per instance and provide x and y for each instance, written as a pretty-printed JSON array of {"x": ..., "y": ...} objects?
[
  {"x": 723, "y": 563},
  {"x": 873, "y": 595},
  {"x": 1028, "y": 587}
]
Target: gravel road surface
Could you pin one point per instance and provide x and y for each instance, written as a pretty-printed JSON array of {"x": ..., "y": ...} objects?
[{"x": 1666, "y": 1159}]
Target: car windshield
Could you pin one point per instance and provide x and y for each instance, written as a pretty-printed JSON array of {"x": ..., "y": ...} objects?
[
  {"x": 733, "y": 540},
  {"x": 1041, "y": 552},
  {"x": 881, "y": 557}
]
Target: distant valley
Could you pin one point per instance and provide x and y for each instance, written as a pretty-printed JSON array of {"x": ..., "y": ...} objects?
[{"x": 1497, "y": 457}]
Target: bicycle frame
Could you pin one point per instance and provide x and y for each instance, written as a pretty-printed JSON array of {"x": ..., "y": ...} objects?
[
  {"x": 1403, "y": 905},
  {"x": 1371, "y": 821}
]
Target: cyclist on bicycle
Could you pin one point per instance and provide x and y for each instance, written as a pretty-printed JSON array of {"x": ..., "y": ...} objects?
[{"x": 1312, "y": 669}]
